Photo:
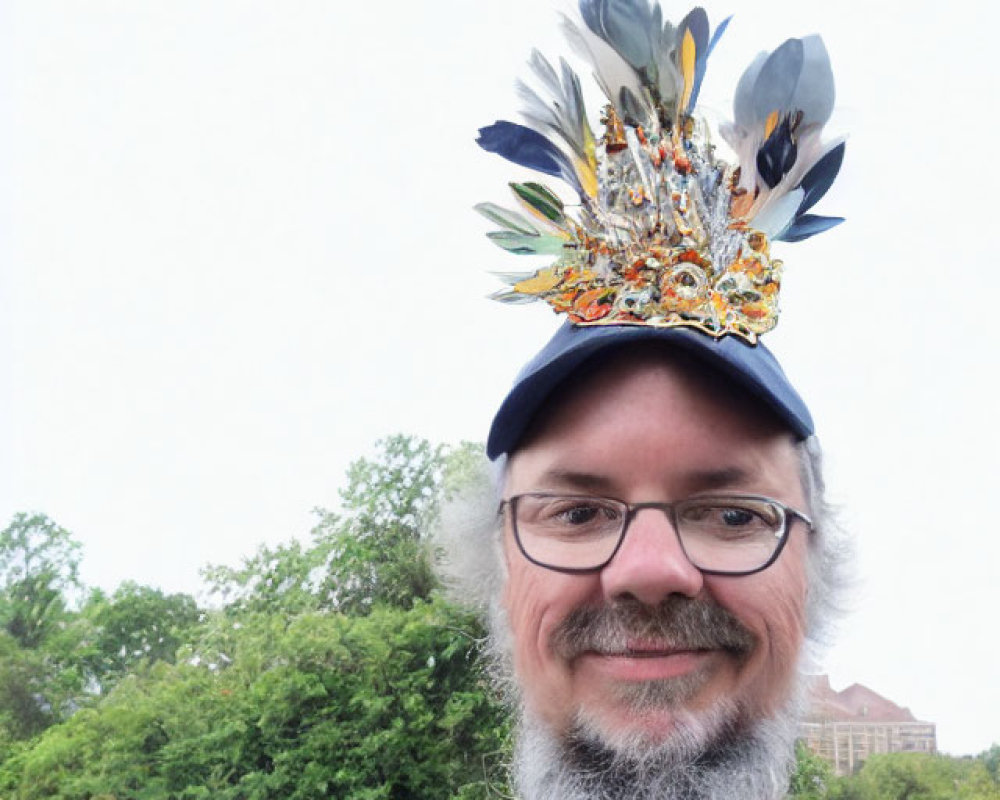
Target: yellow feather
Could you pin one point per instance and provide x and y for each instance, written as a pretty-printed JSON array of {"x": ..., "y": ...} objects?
[
  {"x": 688, "y": 56},
  {"x": 542, "y": 281},
  {"x": 770, "y": 124},
  {"x": 586, "y": 171}
]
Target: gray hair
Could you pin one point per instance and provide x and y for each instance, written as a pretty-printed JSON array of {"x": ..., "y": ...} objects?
[{"x": 472, "y": 567}]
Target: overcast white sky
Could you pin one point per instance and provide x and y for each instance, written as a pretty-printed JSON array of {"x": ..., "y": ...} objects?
[{"x": 237, "y": 247}]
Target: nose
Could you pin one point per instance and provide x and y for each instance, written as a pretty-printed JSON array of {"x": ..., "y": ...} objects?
[{"x": 650, "y": 563}]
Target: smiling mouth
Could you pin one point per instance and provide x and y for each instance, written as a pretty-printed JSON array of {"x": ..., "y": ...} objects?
[
  {"x": 647, "y": 662},
  {"x": 655, "y": 652}
]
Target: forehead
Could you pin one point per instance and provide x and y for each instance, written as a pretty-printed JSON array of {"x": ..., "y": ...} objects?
[{"x": 653, "y": 416}]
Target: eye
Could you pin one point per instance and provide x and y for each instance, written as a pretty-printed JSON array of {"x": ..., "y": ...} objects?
[
  {"x": 584, "y": 512},
  {"x": 569, "y": 515},
  {"x": 730, "y": 516},
  {"x": 735, "y": 517}
]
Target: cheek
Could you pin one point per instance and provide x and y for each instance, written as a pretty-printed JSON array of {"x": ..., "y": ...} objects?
[
  {"x": 536, "y": 601},
  {"x": 772, "y": 605}
]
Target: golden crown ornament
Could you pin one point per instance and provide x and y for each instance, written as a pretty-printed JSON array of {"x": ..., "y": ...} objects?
[{"x": 664, "y": 233}]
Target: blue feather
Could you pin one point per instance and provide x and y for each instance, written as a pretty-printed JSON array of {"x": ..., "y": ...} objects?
[
  {"x": 717, "y": 35},
  {"x": 527, "y": 148},
  {"x": 820, "y": 177},
  {"x": 807, "y": 225},
  {"x": 696, "y": 21}
]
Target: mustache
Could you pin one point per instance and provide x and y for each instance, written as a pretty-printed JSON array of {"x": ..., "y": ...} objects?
[{"x": 679, "y": 622}]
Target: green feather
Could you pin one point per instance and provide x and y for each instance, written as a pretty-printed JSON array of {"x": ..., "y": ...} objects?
[
  {"x": 527, "y": 245},
  {"x": 541, "y": 199}
]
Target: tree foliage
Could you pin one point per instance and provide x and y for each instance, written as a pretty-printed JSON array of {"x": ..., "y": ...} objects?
[
  {"x": 39, "y": 570},
  {"x": 812, "y": 777},
  {"x": 385, "y": 705},
  {"x": 919, "y": 776},
  {"x": 373, "y": 550},
  {"x": 328, "y": 669}
]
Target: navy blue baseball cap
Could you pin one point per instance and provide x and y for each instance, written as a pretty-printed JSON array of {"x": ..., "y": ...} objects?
[{"x": 751, "y": 366}]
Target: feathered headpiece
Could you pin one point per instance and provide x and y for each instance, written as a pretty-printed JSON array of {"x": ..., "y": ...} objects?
[{"x": 665, "y": 234}]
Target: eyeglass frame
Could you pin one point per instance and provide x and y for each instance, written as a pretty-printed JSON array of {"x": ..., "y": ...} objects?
[{"x": 789, "y": 515}]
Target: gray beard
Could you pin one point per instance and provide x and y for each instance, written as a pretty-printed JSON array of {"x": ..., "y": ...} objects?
[
  {"x": 703, "y": 759},
  {"x": 716, "y": 753}
]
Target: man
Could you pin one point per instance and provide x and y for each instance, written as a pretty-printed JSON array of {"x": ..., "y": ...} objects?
[
  {"x": 662, "y": 561},
  {"x": 653, "y": 605},
  {"x": 663, "y": 555}
]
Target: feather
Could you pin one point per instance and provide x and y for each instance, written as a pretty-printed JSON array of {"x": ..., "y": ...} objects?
[
  {"x": 777, "y": 215},
  {"x": 539, "y": 200},
  {"x": 697, "y": 22},
  {"x": 692, "y": 47},
  {"x": 565, "y": 115},
  {"x": 510, "y": 220},
  {"x": 512, "y": 278},
  {"x": 512, "y": 298},
  {"x": 778, "y": 153},
  {"x": 774, "y": 88},
  {"x": 808, "y": 225},
  {"x": 629, "y": 26},
  {"x": 527, "y": 244},
  {"x": 821, "y": 176},
  {"x": 615, "y": 77},
  {"x": 815, "y": 93},
  {"x": 717, "y": 35},
  {"x": 528, "y": 148},
  {"x": 781, "y": 103}
]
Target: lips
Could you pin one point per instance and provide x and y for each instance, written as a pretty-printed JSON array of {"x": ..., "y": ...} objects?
[
  {"x": 645, "y": 663},
  {"x": 653, "y": 650}
]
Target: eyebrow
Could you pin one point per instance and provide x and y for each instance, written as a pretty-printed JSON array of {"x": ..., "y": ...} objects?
[
  {"x": 584, "y": 481},
  {"x": 697, "y": 481},
  {"x": 727, "y": 478}
]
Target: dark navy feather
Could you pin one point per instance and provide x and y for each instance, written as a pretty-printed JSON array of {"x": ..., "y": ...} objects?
[
  {"x": 528, "y": 148},
  {"x": 821, "y": 177},
  {"x": 808, "y": 225},
  {"x": 777, "y": 155}
]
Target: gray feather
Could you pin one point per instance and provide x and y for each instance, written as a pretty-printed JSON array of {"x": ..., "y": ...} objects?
[
  {"x": 743, "y": 114},
  {"x": 512, "y": 298},
  {"x": 510, "y": 220},
  {"x": 774, "y": 88},
  {"x": 815, "y": 91}
]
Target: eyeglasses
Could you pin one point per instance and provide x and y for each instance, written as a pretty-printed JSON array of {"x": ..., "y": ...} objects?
[{"x": 727, "y": 534}]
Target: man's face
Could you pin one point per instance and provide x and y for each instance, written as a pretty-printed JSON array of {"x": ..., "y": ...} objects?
[{"x": 648, "y": 430}]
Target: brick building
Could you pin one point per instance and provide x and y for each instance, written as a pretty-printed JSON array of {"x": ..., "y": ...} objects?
[{"x": 846, "y": 727}]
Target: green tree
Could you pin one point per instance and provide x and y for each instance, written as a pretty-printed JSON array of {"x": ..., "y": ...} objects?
[
  {"x": 39, "y": 564},
  {"x": 812, "y": 776},
  {"x": 378, "y": 552},
  {"x": 373, "y": 550},
  {"x": 924, "y": 776},
  {"x": 384, "y": 706},
  {"x": 991, "y": 760},
  {"x": 24, "y": 708},
  {"x": 136, "y": 624}
]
